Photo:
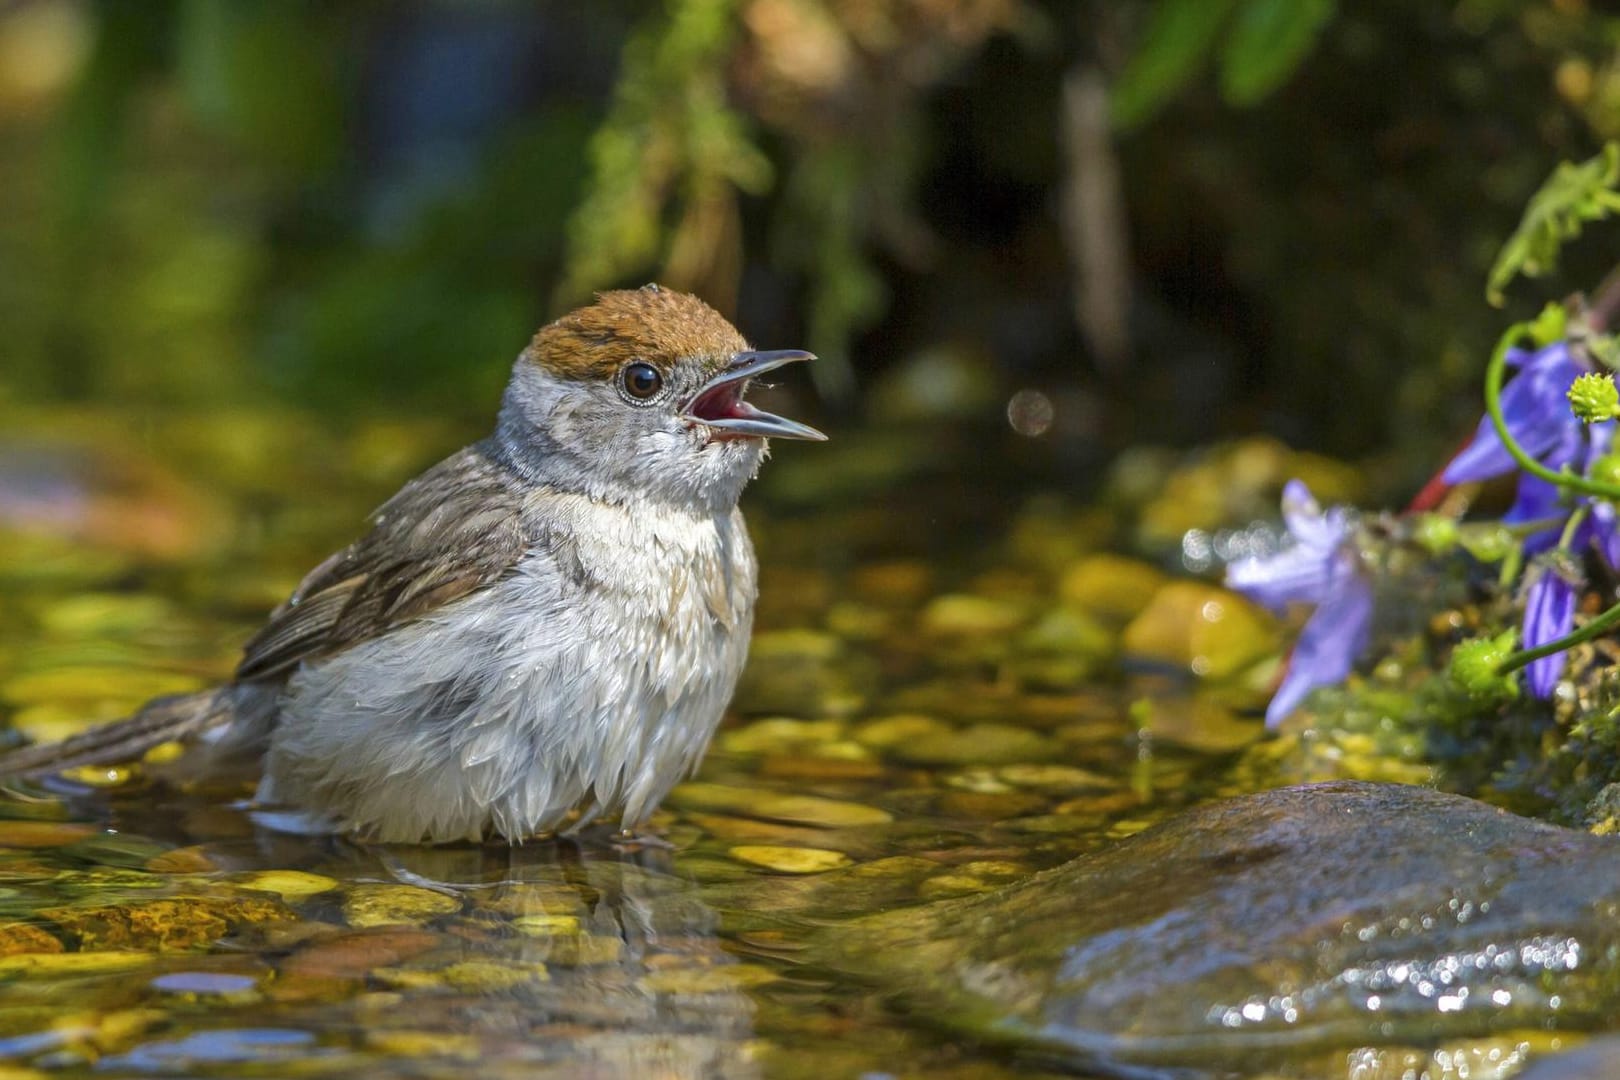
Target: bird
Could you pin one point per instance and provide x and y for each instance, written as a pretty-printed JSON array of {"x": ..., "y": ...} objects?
[{"x": 540, "y": 631}]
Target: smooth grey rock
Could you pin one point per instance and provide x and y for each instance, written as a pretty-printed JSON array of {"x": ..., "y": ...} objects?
[
  {"x": 1262, "y": 932},
  {"x": 1597, "y": 1060}
]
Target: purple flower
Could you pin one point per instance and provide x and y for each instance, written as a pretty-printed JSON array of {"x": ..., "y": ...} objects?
[
  {"x": 1535, "y": 406},
  {"x": 1320, "y": 567},
  {"x": 1549, "y": 614}
]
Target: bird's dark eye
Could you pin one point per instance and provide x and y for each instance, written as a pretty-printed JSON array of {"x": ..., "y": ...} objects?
[{"x": 641, "y": 380}]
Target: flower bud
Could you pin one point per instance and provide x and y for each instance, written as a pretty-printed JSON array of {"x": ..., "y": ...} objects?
[
  {"x": 1550, "y": 325},
  {"x": 1606, "y": 470},
  {"x": 1487, "y": 542},
  {"x": 1435, "y": 533},
  {"x": 1474, "y": 663},
  {"x": 1593, "y": 397}
]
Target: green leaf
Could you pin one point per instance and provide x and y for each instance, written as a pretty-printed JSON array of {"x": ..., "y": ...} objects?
[
  {"x": 1573, "y": 195},
  {"x": 1269, "y": 39},
  {"x": 670, "y": 132},
  {"x": 1549, "y": 326},
  {"x": 1179, "y": 35}
]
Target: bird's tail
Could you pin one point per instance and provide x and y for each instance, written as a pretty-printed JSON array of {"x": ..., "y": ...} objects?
[{"x": 181, "y": 716}]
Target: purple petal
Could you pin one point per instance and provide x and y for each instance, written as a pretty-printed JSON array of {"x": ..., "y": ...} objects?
[
  {"x": 1537, "y": 415},
  {"x": 1328, "y": 645},
  {"x": 1483, "y": 457},
  {"x": 1302, "y": 572},
  {"x": 1306, "y": 522},
  {"x": 1297, "y": 575},
  {"x": 1549, "y": 612},
  {"x": 1537, "y": 500}
]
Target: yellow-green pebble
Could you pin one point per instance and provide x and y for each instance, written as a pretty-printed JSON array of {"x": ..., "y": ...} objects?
[
  {"x": 1111, "y": 586},
  {"x": 891, "y": 730},
  {"x": 966, "y": 615},
  {"x": 1053, "y": 777},
  {"x": 478, "y": 976},
  {"x": 394, "y": 905},
  {"x": 74, "y": 963},
  {"x": 288, "y": 884},
  {"x": 790, "y": 860},
  {"x": 1210, "y": 631},
  {"x": 943, "y": 885},
  {"x": 546, "y": 925},
  {"x": 708, "y": 980},
  {"x": 583, "y": 950},
  {"x": 839, "y": 750},
  {"x": 795, "y": 809},
  {"x": 982, "y": 780},
  {"x": 779, "y": 733},
  {"x": 978, "y": 744},
  {"x": 422, "y": 1044}
]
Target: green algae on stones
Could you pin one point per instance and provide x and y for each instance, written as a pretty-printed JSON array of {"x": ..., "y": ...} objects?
[
  {"x": 1260, "y": 932},
  {"x": 395, "y": 905},
  {"x": 484, "y": 976},
  {"x": 174, "y": 923}
]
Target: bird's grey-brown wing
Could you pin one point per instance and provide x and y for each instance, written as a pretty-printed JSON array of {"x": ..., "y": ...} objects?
[{"x": 451, "y": 531}]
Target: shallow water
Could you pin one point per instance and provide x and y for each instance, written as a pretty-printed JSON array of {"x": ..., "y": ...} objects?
[{"x": 925, "y": 717}]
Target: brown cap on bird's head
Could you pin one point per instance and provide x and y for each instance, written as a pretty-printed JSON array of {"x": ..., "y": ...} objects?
[{"x": 652, "y": 324}]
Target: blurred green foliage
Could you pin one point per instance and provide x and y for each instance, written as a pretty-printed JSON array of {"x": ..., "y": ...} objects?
[
  {"x": 670, "y": 137},
  {"x": 371, "y": 207},
  {"x": 1257, "y": 43},
  {"x": 1572, "y": 196}
]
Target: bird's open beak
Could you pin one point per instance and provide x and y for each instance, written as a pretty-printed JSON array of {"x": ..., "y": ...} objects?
[{"x": 718, "y": 404}]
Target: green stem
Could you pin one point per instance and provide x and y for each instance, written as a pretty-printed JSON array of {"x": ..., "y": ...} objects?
[
  {"x": 1596, "y": 628},
  {"x": 1575, "y": 518},
  {"x": 1529, "y": 528},
  {"x": 1511, "y": 565},
  {"x": 1494, "y": 373}
]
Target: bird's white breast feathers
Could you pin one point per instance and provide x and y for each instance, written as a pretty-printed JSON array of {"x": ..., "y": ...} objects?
[{"x": 589, "y": 678}]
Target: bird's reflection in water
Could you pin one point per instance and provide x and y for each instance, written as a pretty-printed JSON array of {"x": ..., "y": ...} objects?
[{"x": 580, "y": 957}]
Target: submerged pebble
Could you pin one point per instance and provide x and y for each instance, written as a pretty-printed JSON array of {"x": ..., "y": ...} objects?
[
  {"x": 287, "y": 884},
  {"x": 43, "y": 834},
  {"x": 707, "y": 980},
  {"x": 177, "y": 923},
  {"x": 1110, "y": 586},
  {"x": 891, "y": 730},
  {"x": 475, "y": 976},
  {"x": 395, "y": 905},
  {"x": 19, "y": 938},
  {"x": 1207, "y": 630},
  {"x": 794, "y": 809},
  {"x": 790, "y": 860},
  {"x": 968, "y": 615},
  {"x": 978, "y": 744}
]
